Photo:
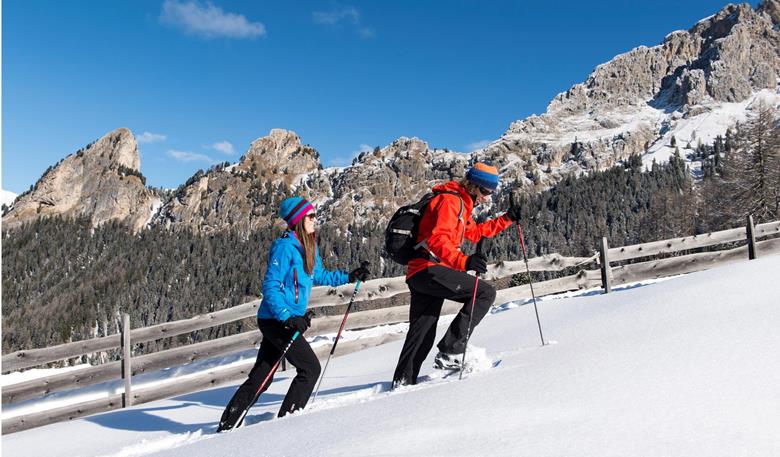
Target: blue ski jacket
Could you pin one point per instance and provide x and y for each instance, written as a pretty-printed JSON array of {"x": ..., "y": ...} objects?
[{"x": 286, "y": 285}]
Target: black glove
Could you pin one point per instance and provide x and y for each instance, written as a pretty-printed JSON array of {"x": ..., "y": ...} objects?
[
  {"x": 513, "y": 213},
  {"x": 477, "y": 262},
  {"x": 299, "y": 323},
  {"x": 308, "y": 316},
  {"x": 360, "y": 272}
]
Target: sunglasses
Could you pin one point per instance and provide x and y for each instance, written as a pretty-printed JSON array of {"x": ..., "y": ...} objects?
[
  {"x": 311, "y": 216},
  {"x": 485, "y": 192}
]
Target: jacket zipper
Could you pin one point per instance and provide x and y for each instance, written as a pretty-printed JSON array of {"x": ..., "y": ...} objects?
[{"x": 295, "y": 281}]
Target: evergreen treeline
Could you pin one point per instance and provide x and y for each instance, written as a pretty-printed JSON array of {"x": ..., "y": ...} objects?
[
  {"x": 63, "y": 280},
  {"x": 742, "y": 174}
]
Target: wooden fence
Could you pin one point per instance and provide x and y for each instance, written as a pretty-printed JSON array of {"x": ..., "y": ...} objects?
[{"x": 609, "y": 273}]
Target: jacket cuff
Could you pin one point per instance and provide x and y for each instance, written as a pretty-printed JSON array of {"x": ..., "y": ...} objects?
[
  {"x": 463, "y": 259},
  {"x": 284, "y": 315}
]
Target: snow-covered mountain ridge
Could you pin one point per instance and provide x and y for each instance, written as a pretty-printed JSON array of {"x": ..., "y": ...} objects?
[{"x": 691, "y": 87}]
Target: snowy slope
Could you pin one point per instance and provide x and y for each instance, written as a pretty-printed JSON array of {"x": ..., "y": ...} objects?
[
  {"x": 7, "y": 197},
  {"x": 685, "y": 367},
  {"x": 716, "y": 118}
]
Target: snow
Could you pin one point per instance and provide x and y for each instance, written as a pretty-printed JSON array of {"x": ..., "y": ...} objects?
[
  {"x": 154, "y": 210},
  {"x": 7, "y": 197},
  {"x": 35, "y": 373},
  {"x": 705, "y": 127},
  {"x": 584, "y": 127},
  {"x": 683, "y": 367}
]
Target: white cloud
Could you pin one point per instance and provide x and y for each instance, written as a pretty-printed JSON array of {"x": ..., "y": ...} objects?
[
  {"x": 337, "y": 15},
  {"x": 362, "y": 148},
  {"x": 343, "y": 161},
  {"x": 482, "y": 144},
  {"x": 344, "y": 14},
  {"x": 224, "y": 147},
  {"x": 186, "y": 156},
  {"x": 149, "y": 137},
  {"x": 366, "y": 32},
  {"x": 208, "y": 21}
]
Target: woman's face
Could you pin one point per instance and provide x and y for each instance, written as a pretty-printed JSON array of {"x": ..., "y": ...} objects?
[
  {"x": 483, "y": 195},
  {"x": 309, "y": 222}
]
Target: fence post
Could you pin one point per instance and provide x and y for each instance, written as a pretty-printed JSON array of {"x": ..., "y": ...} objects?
[
  {"x": 751, "y": 238},
  {"x": 606, "y": 271},
  {"x": 127, "y": 373}
]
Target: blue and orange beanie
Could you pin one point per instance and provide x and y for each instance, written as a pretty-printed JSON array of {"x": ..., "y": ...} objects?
[
  {"x": 483, "y": 175},
  {"x": 293, "y": 209}
]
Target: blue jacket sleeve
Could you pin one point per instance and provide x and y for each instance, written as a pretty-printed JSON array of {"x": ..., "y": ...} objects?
[
  {"x": 323, "y": 277},
  {"x": 279, "y": 261}
]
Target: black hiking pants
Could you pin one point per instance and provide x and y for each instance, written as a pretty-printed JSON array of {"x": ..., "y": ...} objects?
[
  {"x": 429, "y": 288},
  {"x": 275, "y": 338}
]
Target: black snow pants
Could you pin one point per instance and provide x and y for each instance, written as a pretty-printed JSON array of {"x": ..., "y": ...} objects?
[
  {"x": 429, "y": 288},
  {"x": 275, "y": 338}
]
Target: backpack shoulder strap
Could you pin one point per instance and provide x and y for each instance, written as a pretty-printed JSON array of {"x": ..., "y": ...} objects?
[{"x": 452, "y": 192}]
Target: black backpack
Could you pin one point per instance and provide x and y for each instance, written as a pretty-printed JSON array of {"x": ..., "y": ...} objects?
[{"x": 401, "y": 233}]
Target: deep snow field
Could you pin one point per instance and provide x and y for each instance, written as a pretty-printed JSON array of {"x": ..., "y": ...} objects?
[{"x": 688, "y": 366}]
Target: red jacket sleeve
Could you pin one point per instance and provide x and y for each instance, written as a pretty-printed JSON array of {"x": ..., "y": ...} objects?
[
  {"x": 446, "y": 237},
  {"x": 487, "y": 229}
]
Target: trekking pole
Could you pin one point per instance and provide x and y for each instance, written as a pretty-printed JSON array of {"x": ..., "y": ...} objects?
[
  {"x": 530, "y": 281},
  {"x": 265, "y": 381},
  {"x": 480, "y": 249},
  {"x": 336, "y": 341}
]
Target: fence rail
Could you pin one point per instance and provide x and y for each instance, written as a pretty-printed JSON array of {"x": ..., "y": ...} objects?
[{"x": 382, "y": 288}]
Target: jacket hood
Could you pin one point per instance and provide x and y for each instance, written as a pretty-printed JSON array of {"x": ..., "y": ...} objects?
[{"x": 455, "y": 186}]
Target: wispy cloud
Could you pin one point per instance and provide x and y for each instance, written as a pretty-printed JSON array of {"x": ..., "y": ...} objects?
[
  {"x": 337, "y": 15},
  {"x": 149, "y": 137},
  {"x": 186, "y": 156},
  {"x": 208, "y": 21},
  {"x": 362, "y": 148},
  {"x": 343, "y": 161},
  {"x": 344, "y": 14},
  {"x": 224, "y": 147},
  {"x": 482, "y": 144},
  {"x": 366, "y": 32}
]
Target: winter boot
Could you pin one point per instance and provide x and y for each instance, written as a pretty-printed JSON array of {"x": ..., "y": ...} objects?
[
  {"x": 444, "y": 361},
  {"x": 401, "y": 382}
]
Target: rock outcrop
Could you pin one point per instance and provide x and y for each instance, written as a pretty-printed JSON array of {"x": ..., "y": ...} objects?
[{"x": 102, "y": 182}]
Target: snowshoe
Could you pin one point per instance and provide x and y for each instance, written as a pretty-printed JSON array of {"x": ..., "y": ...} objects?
[{"x": 444, "y": 361}]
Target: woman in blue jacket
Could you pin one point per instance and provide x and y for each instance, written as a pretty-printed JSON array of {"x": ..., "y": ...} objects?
[{"x": 294, "y": 265}]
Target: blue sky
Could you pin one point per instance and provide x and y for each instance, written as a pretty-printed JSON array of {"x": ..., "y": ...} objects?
[{"x": 198, "y": 81}]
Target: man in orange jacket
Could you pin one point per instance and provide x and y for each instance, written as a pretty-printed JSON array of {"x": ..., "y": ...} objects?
[{"x": 440, "y": 272}]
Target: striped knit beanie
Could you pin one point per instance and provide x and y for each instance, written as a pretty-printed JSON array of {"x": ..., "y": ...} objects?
[
  {"x": 483, "y": 175},
  {"x": 293, "y": 209}
]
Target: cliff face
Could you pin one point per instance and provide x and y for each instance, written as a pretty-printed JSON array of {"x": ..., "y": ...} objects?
[{"x": 102, "y": 182}]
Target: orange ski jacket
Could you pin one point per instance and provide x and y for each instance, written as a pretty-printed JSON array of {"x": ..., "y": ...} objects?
[{"x": 443, "y": 232}]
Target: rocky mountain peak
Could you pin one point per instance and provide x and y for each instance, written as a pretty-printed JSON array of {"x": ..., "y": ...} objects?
[
  {"x": 280, "y": 153},
  {"x": 633, "y": 103},
  {"x": 118, "y": 147},
  {"x": 101, "y": 181},
  {"x": 401, "y": 148}
]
